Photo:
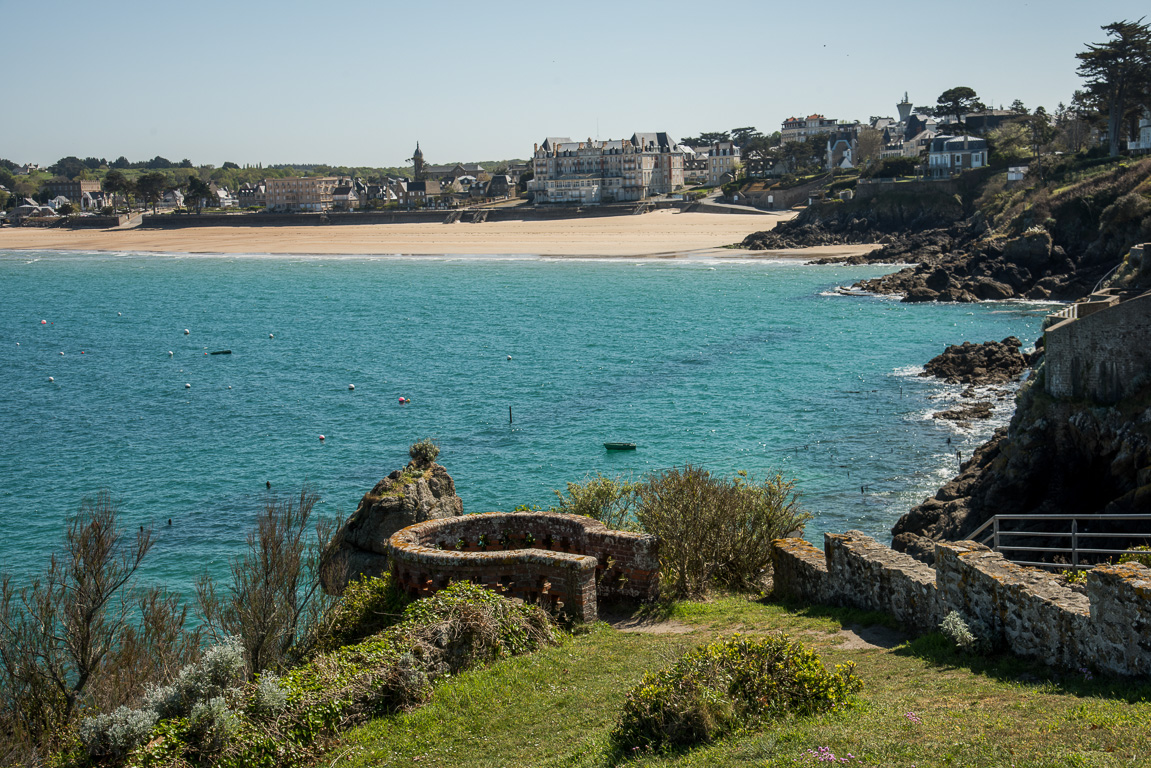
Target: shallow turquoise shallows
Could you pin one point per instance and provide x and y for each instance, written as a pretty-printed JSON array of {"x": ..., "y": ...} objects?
[{"x": 731, "y": 365}]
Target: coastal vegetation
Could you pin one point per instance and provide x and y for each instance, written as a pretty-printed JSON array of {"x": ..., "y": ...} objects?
[
  {"x": 468, "y": 677},
  {"x": 713, "y": 531}
]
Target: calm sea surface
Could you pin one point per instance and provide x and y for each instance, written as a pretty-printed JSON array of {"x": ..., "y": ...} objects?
[{"x": 730, "y": 365}]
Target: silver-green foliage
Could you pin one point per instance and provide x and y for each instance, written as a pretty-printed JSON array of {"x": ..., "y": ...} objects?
[
  {"x": 424, "y": 451},
  {"x": 969, "y": 636},
  {"x": 116, "y": 733},
  {"x": 220, "y": 668},
  {"x": 269, "y": 699},
  {"x": 197, "y": 693}
]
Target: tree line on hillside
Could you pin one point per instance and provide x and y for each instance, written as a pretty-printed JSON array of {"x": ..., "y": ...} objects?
[
  {"x": 1116, "y": 93},
  {"x": 147, "y": 180}
]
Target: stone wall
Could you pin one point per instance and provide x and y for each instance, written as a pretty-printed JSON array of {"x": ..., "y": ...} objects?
[
  {"x": 333, "y": 218},
  {"x": 1027, "y": 611},
  {"x": 1103, "y": 357},
  {"x": 563, "y": 562},
  {"x": 868, "y": 188}
]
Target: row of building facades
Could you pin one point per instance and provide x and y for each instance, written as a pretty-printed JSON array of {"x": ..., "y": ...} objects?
[{"x": 592, "y": 172}]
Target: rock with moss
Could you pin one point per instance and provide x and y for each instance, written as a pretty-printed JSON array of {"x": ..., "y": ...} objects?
[{"x": 423, "y": 490}]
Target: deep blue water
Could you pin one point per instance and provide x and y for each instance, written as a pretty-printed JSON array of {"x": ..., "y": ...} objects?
[{"x": 726, "y": 364}]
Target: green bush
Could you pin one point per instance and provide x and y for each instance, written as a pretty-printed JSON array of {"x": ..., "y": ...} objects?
[
  {"x": 1142, "y": 559},
  {"x": 732, "y": 682},
  {"x": 969, "y": 636},
  {"x": 611, "y": 500},
  {"x": 715, "y": 530},
  {"x": 367, "y": 606},
  {"x": 197, "y": 700},
  {"x": 424, "y": 452},
  {"x": 280, "y": 719},
  {"x": 892, "y": 167}
]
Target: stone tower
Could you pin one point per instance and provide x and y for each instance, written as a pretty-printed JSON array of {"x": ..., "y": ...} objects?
[
  {"x": 418, "y": 164},
  {"x": 904, "y": 108}
]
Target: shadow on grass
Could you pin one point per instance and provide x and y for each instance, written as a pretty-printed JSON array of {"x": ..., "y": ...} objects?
[
  {"x": 938, "y": 651},
  {"x": 846, "y": 617},
  {"x": 665, "y": 610}
]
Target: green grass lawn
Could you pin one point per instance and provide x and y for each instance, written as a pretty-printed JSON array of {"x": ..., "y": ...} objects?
[{"x": 922, "y": 705}]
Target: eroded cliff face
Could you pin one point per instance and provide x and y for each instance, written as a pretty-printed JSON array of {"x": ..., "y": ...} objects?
[
  {"x": 412, "y": 495},
  {"x": 1053, "y": 240},
  {"x": 1056, "y": 457}
]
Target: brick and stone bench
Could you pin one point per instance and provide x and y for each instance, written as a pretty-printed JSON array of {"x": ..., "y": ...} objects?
[{"x": 561, "y": 562}]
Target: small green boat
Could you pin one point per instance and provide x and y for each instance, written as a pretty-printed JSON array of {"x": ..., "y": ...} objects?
[{"x": 619, "y": 446}]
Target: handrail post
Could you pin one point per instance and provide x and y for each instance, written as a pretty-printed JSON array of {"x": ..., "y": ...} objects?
[
  {"x": 995, "y": 528},
  {"x": 1075, "y": 544}
]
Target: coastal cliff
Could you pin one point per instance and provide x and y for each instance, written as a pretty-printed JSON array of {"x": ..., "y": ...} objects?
[
  {"x": 1079, "y": 441},
  {"x": 422, "y": 491},
  {"x": 981, "y": 238}
]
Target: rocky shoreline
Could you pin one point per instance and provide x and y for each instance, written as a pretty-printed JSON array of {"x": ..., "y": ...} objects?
[
  {"x": 1055, "y": 457},
  {"x": 977, "y": 238}
]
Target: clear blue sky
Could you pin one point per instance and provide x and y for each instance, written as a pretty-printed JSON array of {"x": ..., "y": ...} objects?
[{"x": 353, "y": 82}]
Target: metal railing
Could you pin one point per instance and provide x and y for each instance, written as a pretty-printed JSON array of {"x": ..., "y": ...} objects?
[{"x": 993, "y": 535}]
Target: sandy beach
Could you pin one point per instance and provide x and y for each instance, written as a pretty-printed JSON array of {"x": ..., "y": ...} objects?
[{"x": 657, "y": 234}]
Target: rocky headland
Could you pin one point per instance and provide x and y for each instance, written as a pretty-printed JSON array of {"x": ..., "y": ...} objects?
[
  {"x": 423, "y": 490},
  {"x": 982, "y": 240}
]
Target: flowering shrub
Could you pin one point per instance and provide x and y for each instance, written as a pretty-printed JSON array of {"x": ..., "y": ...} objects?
[{"x": 734, "y": 681}]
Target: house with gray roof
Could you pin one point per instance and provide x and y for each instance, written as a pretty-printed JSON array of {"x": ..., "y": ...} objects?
[{"x": 951, "y": 155}]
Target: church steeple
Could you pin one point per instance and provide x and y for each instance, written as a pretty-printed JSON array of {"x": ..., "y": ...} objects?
[{"x": 418, "y": 163}]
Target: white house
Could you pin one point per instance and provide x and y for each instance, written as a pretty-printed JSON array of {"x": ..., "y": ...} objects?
[{"x": 1144, "y": 142}]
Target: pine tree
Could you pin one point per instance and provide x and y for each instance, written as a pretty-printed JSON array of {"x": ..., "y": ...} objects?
[{"x": 1118, "y": 73}]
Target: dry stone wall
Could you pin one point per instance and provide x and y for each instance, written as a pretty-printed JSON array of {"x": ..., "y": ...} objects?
[
  {"x": 563, "y": 562},
  {"x": 1027, "y": 611}
]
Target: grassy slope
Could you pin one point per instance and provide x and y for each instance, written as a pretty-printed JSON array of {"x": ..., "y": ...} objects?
[{"x": 556, "y": 708}]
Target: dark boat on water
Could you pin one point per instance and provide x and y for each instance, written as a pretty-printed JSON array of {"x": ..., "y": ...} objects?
[{"x": 619, "y": 446}]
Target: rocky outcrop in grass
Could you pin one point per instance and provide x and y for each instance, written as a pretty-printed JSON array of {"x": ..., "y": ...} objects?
[{"x": 423, "y": 490}]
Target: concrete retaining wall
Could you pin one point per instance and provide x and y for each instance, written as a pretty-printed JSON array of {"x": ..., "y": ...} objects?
[
  {"x": 563, "y": 562},
  {"x": 1027, "y": 611}
]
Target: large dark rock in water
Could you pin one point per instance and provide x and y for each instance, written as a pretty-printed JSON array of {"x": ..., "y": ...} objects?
[
  {"x": 992, "y": 362},
  {"x": 419, "y": 492}
]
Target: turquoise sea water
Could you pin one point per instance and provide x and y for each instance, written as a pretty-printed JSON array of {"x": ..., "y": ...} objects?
[{"x": 728, "y": 364}]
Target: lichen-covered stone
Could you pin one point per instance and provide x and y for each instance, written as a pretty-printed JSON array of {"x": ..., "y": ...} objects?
[
  {"x": 871, "y": 576},
  {"x": 417, "y": 493},
  {"x": 563, "y": 562},
  {"x": 1027, "y": 611}
]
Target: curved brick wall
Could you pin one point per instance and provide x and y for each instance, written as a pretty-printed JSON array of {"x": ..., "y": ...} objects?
[{"x": 562, "y": 562}]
